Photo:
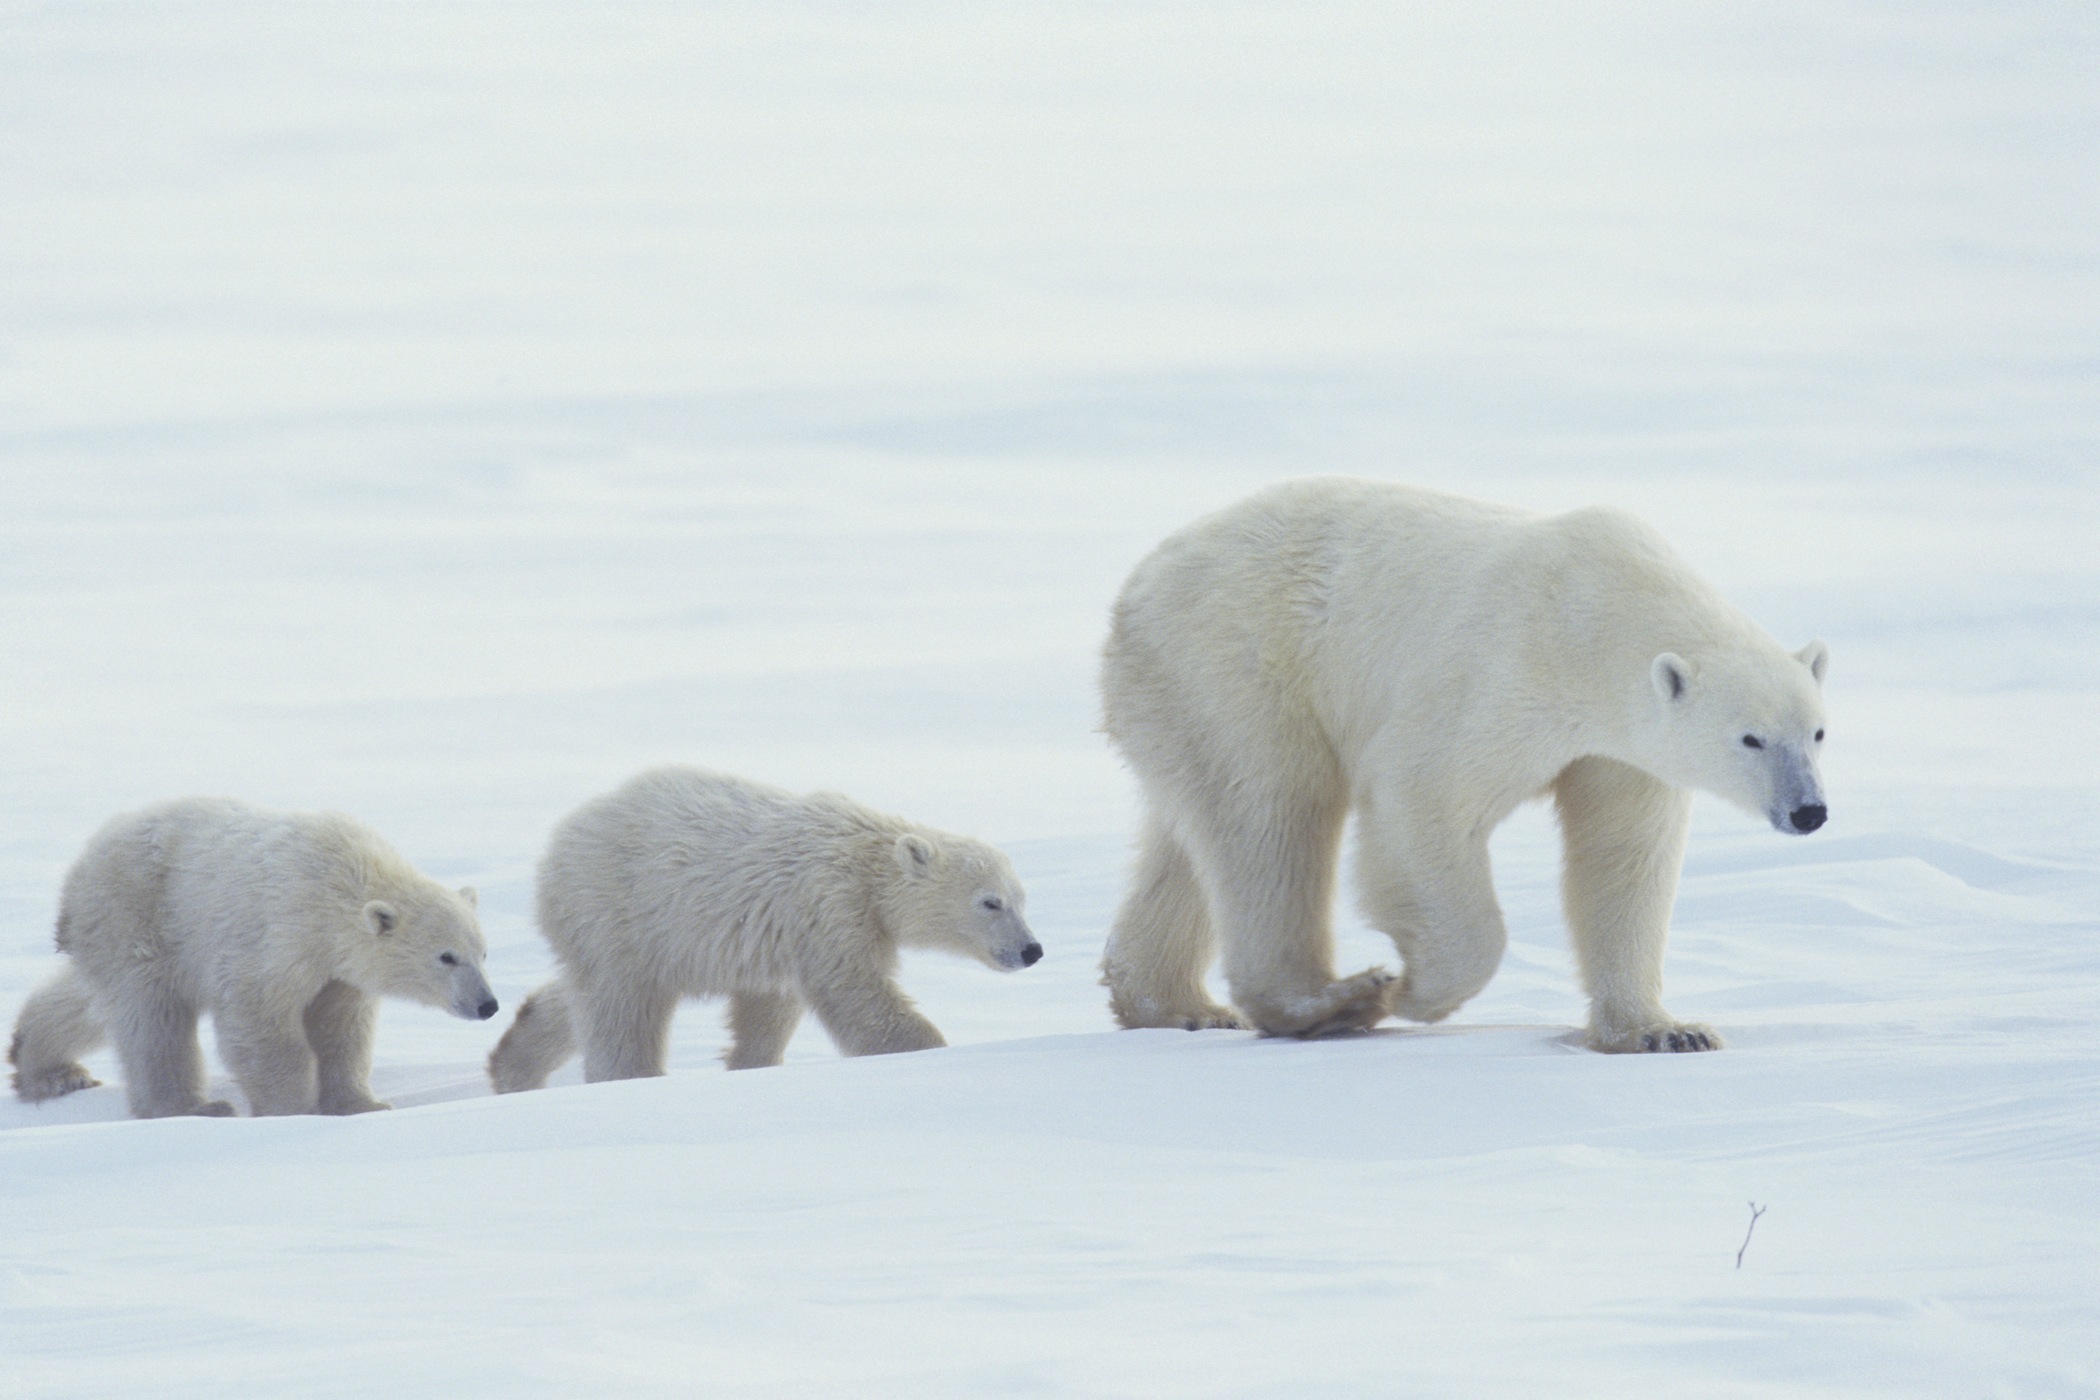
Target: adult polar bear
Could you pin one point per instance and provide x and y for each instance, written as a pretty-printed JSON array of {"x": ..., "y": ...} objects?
[{"x": 1430, "y": 663}]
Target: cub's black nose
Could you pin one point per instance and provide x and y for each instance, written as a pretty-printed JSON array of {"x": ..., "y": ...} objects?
[
  {"x": 488, "y": 1008},
  {"x": 1031, "y": 955},
  {"x": 1808, "y": 818}
]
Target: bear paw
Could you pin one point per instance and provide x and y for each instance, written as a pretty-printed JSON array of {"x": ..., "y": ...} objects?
[
  {"x": 53, "y": 1083},
  {"x": 1658, "y": 1038},
  {"x": 213, "y": 1108},
  {"x": 1411, "y": 1005},
  {"x": 344, "y": 1108},
  {"x": 1349, "y": 1004},
  {"x": 1134, "y": 1012}
]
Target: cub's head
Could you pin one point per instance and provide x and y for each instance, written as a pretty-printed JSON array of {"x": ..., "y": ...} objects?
[
  {"x": 1746, "y": 726},
  {"x": 962, "y": 896},
  {"x": 427, "y": 944}
]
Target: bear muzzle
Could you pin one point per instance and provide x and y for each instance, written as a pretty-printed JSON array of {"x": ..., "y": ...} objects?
[
  {"x": 1011, "y": 956},
  {"x": 1808, "y": 817},
  {"x": 472, "y": 999}
]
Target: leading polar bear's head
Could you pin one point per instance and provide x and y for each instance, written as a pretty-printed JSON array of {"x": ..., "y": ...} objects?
[
  {"x": 1745, "y": 724},
  {"x": 962, "y": 896},
  {"x": 425, "y": 944}
]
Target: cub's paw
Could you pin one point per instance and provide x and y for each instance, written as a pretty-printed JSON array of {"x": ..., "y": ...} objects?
[
  {"x": 1659, "y": 1038},
  {"x": 52, "y": 1083},
  {"x": 213, "y": 1108},
  {"x": 1215, "y": 1018},
  {"x": 348, "y": 1107}
]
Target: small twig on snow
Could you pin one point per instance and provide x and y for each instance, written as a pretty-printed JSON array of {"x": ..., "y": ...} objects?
[{"x": 1755, "y": 1211}]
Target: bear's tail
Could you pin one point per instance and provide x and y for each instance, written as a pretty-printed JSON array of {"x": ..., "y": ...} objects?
[
  {"x": 58, "y": 1024},
  {"x": 540, "y": 1041}
]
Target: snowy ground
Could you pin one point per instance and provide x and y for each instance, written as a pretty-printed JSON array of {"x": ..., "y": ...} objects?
[{"x": 439, "y": 412}]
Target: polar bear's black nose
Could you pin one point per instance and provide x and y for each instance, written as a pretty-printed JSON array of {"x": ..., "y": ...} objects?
[
  {"x": 1031, "y": 955},
  {"x": 486, "y": 1009},
  {"x": 1808, "y": 818}
]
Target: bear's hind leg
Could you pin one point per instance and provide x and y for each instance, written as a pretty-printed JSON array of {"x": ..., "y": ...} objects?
[
  {"x": 760, "y": 1026},
  {"x": 57, "y": 1026},
  {"x": 339, "y": 1028},
  {"x": 1426, "y": 882},
  {"x": 155, "y": 1032},
  {"x": 626, "y": 1031},
  {"x": 1623, "y": 834},
  {"x": 541, "y": 1038},
  {"x": 1269, "y": 870},
  {"x": 1161, "y": 944}
]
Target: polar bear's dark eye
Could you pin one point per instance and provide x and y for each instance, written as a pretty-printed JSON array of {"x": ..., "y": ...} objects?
[
  {"x": 1819, "y": 736},
  {"x": 1751, "y": 741},
  {"x": 992, "y": 902},
  {"x": 448, "y": 960}
]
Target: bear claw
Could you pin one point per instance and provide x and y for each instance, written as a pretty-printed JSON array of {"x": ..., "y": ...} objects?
[
  {"x": 1679, "y": 1041},
  {"x": 1135, "y": 1012},
  {"x": 1217, "y": 1019},
  {"x": 1665, "y": 1039}
]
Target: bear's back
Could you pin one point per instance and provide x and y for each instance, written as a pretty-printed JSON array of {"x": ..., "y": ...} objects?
[
  {"x": 686, "y": 864},
  {"x": 1294, "y": 591},
  {"x": 207, "y": 879}
]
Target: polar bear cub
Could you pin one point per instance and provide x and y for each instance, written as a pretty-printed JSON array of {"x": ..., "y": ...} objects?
[
  {"x": 689, "y": 883},
  {"x": 1427, "y": 663},
  {"x": 283, "y": 927}
]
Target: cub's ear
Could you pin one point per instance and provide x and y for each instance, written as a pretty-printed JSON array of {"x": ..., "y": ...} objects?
[
  {"x": 468, "y": 893},
  {"x": 915, "y": 855},
  {"x": 1671, "y": 675},
  {"x": 380, "y": 917},
  {"x": 1816, "y": 657}
]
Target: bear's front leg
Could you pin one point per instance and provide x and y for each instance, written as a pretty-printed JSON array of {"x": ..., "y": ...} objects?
[
  {"x": 267, "y": 1051},
  {"x": 866, "y": 1013},
  {"x": 1623, "y": 835},
  {"x": 339, "y": 1028}
]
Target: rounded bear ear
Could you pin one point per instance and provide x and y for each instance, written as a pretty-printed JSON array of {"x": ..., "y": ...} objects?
[
  {"x": 380, "y": 917},
  {"x": 1816, "y": 657},
  {"x": 471, "y": 896},
  {"x": 1671, "y": 675},
  {"x": 915, "y": 855}
]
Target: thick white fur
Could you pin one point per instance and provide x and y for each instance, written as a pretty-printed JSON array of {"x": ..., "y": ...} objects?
[
  {"x": 688, "y": 883},
  {"x": 1427, "y": 663},
  {"x": 281, "y": 926}
]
